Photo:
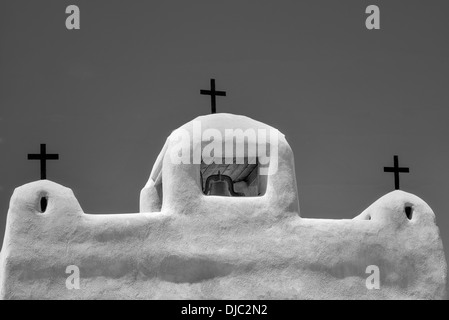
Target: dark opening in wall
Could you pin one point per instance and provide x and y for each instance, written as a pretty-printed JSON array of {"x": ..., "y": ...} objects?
[
  {"x": 43, "y": 204},
  {"x": 408, "y": 211},
  {"x": 233, "y": 179}
]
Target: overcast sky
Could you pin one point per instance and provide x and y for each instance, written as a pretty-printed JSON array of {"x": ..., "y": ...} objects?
[{"x": 105, "y": 97}]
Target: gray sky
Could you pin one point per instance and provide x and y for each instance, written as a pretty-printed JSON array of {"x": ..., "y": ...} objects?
[{"x": 106, "y": 97}]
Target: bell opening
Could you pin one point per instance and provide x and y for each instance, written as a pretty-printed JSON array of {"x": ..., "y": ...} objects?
[{"x": 232, "y": 178}]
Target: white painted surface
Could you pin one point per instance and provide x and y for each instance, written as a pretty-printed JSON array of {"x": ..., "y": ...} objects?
[{"x": 208, "y": 247}]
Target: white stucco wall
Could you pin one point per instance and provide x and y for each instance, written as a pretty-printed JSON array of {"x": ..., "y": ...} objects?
[{"x": 208, "y": 247}]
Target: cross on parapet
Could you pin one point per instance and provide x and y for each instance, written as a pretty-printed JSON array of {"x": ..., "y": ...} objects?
[
  {"x": 396, "y": 170},
  {"x": 43, "y": 157},
  {"x": 213, "y": 93}
]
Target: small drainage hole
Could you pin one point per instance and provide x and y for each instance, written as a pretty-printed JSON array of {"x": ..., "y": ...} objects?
[
  {"x": 44, "y": 203},
  {"x": 408, "y": 212}
]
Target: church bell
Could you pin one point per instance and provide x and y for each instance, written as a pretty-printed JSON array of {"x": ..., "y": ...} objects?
[{"x": 219, "y": 187}]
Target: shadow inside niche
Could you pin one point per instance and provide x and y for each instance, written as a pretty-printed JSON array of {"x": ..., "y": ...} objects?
[
  {"x": 408, "y": 211},
  {"x": 191, "y": 270},
  {"x": 43, "y": 204}
]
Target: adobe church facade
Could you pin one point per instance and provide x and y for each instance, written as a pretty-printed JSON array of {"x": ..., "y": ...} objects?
[{"x": 219, "y": 230}]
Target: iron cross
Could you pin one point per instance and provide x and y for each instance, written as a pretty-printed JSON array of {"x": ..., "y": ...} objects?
[
  {"x": 213, "y": 93},
  {"x": 43, "y": 157},
  {"x": 396, "y": 170}
]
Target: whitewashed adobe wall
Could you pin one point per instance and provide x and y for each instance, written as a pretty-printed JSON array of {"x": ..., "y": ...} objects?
[{"x": 207, "y": 247}]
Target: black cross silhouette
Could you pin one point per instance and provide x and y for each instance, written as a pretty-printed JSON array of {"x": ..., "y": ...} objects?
[
  {"x": 396, "y": 169},
  {"x": 43, "y": 157},
  {"x": 212, "y": 93}
]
